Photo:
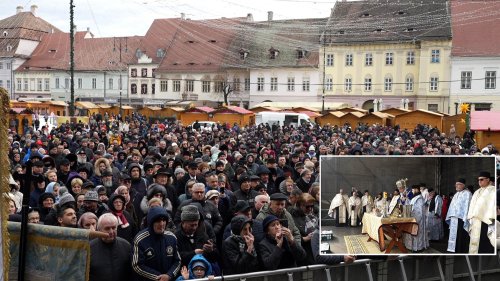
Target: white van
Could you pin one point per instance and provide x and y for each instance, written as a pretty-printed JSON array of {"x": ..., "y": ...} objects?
[{"x": 282, "y": 118}]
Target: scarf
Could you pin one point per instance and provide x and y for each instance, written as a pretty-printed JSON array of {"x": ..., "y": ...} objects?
[{"x": 122, "y": 221}]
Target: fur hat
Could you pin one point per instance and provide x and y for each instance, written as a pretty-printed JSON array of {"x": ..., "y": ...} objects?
[{"x": 190, "y": 213}]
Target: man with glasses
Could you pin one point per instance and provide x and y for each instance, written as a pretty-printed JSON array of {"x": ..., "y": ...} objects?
[{"x": 481, "y": 216}]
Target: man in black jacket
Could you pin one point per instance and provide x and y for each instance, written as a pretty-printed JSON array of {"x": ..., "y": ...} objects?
[
  {"x": 239, "y": 251},
  {"x": 110, "y": 256}
]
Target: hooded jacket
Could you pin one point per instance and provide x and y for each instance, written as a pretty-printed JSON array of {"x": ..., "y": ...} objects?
[
  {"x": 197, "y": 258},
  {"x": 127, "y": 230},
  {"x": 155, "y": 254},
  {"x": 236, "y": 257}
]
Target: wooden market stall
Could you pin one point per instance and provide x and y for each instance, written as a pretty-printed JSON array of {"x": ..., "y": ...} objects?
[
  {"x": 234, "y": 114},
  {"x": 87, "y": 108},
  {"x": 264, "y": 108},
  {"x": 458, "y": 121},
  {"x": 486, "y": 126},
  {"x": 332, "y": 118},
  {"x": 352, "y": 118},
  {"x": 149, "y": 111},
  {"x": 383, "y": 119},
  {"x": 410, "y": 120},
  {"x": 173, "y": 112},
  {"x": 353, "y": 109},
  {"x": 200, "y": 113},
  {"x": 395, "y": 111},
  {"x": 60, "y": 108}
]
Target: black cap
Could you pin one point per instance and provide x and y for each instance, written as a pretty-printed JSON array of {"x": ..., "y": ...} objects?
[
  {"x": 64, "y": 162},
  {"x": 254, "y": 178},
  {"x": 461, "y": 180},
  {"x": 38, "y": 164},
  {"x": 241, "y": 206},
  {"x": 278, "y": 196},
  {"x": 106, "y": 173},
  {"x": 164, "y": 171},
  {"x": 485, "y": 174},
  {"x": 243, "y": 178}
]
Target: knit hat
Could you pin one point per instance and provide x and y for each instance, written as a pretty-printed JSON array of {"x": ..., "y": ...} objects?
[
  {"x": 199, "y": 264},
  {"x": 190, "y": 213},
  {"x": 67, "y": 198},
  {"x": 179, "y": 171},
  {"x": 91, "y": 196},
  {"x": 268, "y": 220}
]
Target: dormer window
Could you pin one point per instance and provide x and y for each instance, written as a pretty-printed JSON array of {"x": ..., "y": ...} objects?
[
  {"x": 341, "y": 32},
  {"x": 9, "y": 48},
  {"x": 400, "y": 13},
  {"x": 301, "y": 54},
  {"x": 138, "y": 53},
  {"x": 365, "y": 15},
  {"x": 273, "y": 53},
  {"x": 243, "y": 54},
  {"x": 5, "y": 33},
  {"x": 190, "y": 41},
  {"x": 160, "y": 53},
  {"x": 410, "y": 29},
  {"x": 378, "y": 30},
  {"x": 52, "y": 50},
  {"x": 212, "y": 41}
]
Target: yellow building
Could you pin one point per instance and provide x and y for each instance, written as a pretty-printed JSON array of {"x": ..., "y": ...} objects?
[{"x": 378, "y": 55}]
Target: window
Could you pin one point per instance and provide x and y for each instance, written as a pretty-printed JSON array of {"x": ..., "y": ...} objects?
[
  {"x": 389, "y": 58},
  {"x": 19, "y": 84},
  {"x": 163, "y": 86},
  {"x": 5, "y": 33},
  {"x": 388, "y": 84},
  {"x": 9, "y": 65},
  {"x": 243, "y": 54},
  {"x": 348, "y": 84},
  {"x": 189, "y": 85},
  {"x": 8, "y": 85},
  {"x": 329, "y": 60},
  {"x": 80, "y": 83},
  {"x": 274, "y": 84},
  {"x": 205, "y": 86},
  {"x": 94, "y": 83},
  {"x": 306, "y": 84},
  {"x": 66, "y": 83},
  {"x": 432, "y": 107},
  {"x": 9, "y": 48},
  {"x": 153, "y": 89},
  {"x": 435, "y": 56},
  {"x": 260, "y": 84},
  {"x": 120, "y": 83},
  {"x": 236, "y": 84},
  {"x": 291, "y": 84},
  {"x": 144, "y": 72},
  {"x": 490, "y": 80},
  {"x": 301, "y": 54},
  {"x": 144, "y": 89},
  {"x": 329, "y": 84},
  {"x": 409, "y": 84},
  {"x": 1, "y": 65},
  {"x": 47, "y": 84},
  {"x": 273, "y": 53},
  {"x": 410, "y": 57},
  {"x": 368, "y": 84},
  {"x": 160, "y": 53},
  {"x": 153, "y": 72},
  {"x": 133, "y": 72},
  {"x": 348, "y": 60},
  {"x": 176, "y": 85},
  {"x": 219, "y": 86},
  {"x": 1, "y": 83},
  {"x": 247, "y": 84},
  {"x": 368, "y": 59},
  {"x": 110, "y": 82},
  {"x": 26, "y": 84},
  {"x": 133, "y": 88},
  {"x": 434, "y": 84},
  {"x": 465, "y": 80}
]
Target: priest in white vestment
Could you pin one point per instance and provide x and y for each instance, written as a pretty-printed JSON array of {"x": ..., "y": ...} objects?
[
  {"x": 419, "y": 242},
  {"x": 456, "y": 218},
  {"x": 354, "y": 209},
  {"x": 338, "y": 208},
  {"x": 482, "y": 216}
]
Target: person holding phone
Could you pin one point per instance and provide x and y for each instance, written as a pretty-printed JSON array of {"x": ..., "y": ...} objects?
[
  {"x": 240, "y": 255},
  {"x": 279, "y": 249}
]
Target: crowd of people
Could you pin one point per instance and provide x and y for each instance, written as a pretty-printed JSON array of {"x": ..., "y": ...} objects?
[
  {"x": 465, "y": 218},
  {"x": 186, "y": 202}
]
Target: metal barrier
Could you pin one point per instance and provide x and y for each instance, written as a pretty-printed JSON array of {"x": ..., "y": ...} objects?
[{"x": 427, "y": 268}]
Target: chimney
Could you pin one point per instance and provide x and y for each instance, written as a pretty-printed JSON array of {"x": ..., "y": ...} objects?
[
  {"x": 270, "y": 16},
  {"x": 249, "y": 17},
  {"x": 33, "y": 9},
  {"x": 183, "y": 16},
  {"x": 19, "y": 9}
]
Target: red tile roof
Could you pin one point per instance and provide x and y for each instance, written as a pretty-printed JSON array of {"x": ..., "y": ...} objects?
[
  {"x": 475, "y": 27},
  {"x": 90, "y": 53},
  {"x": 485, "y": 120},
  {"x": 199, "y": 45},
  {"x": 204, "y": 109}
]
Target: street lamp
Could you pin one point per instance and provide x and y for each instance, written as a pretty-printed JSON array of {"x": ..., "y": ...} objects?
[{"x": 120, "y": 61}]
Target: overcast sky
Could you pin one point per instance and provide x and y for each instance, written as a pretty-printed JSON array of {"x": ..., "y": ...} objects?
[{"x": 107, "y": 18}]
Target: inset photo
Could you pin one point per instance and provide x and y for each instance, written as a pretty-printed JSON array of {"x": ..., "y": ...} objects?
[{"x": 378, "y": 205}]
